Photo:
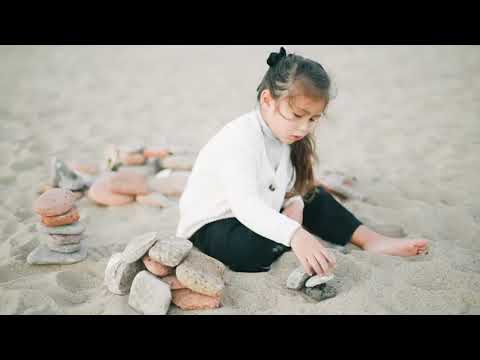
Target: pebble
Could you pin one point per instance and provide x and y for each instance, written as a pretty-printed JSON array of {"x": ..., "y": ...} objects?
[
  {"x": 170, "y": 252},
  {"x": 65, "y": 249},
  {"x": 318, "y": 280},
  {"x": 154, "y": 199},
  {"x": 201, "y": 273},
  {"x": 132, "y": 159},
  {"x": 156, "y": 268},
  {"x": 71, "y": 229},
  {"x": 42, "y": 255},
  {"x": 119, "y": 275},
  {"x": 54, "y": 202},
  {"x": 128, "y": 183},
  {"x": 101, "y": 193},
  {"x": 44, "y": 188},
  {"x": 70, "y": 217},
  {"x": 178, "y": 162},
  {"x": 156, "y": 152},
  {"x": 62, "y": 176},
  {"x": 139, "y": 246},
  {"x": 321, "y": 292},
  {"x": 83, "y": 167},
  {"x": 58, "y": 240},
  {"x": 173, "y": 185},
  {"x": 173, "y": 282},
  {"x": 145, "y": 170},
  {"x": 187, "y": 299},
  {"x": 149, "y": 295},
  {"x": 296, "y": 279}
]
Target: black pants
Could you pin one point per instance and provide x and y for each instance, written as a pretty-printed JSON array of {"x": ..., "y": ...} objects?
[{"x": 243, "y": 250}]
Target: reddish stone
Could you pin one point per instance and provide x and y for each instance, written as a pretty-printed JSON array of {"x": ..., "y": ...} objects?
[
  {"x": 156, "y": 152},
  {"x": 70, "y": 217},
  {"x": 101, "y": 193},
  {"x": 128, "y": 183},
  {"x": 54, "y": 202},
  {"x": 173, "y": 282},
  {"x": 156, "y": 268},
  {"x": 187, "y": 299}
]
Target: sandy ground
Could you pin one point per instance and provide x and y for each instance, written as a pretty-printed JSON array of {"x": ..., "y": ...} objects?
[{"x": 405, "y": 123}]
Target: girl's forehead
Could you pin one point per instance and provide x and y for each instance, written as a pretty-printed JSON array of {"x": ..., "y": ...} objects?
[{"x": 308, "y": 104}]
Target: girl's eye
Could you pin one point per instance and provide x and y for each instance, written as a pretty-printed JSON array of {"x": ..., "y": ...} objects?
[{"x": 298, "y": 116}]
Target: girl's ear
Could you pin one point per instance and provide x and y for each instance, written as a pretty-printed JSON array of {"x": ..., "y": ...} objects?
[{"x": 266, "y": 98}]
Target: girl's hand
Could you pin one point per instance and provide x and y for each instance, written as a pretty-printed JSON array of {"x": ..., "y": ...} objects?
[
  {"x": 294, "y": 211},
  {"x": 313, "y": 256}
]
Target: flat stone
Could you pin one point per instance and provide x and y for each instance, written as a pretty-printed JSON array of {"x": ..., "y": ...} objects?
[
  {"x": 154, "y": 199},
  {"x": 62, "y": 176},
  {"x": 296, "y": 279},
  {"x": 179, "y": 162},
  {"x": 173, "y": 185},
  {"x": 157, "y": 152},
  {"x": 54, "y": 202},
  {"x": 144, "y": 170},
  {"x": 187, "y": 299},
  {"x": 318, "y": 280},
  {"x": 170, "y": 252},
  {"x": 139, "y": 246},
  {"x": 321, "y": 292},
  {"x": 128, "y": 183},
  {"x": 149, "y": 295},
  {"x": 42, "y": 255},
  {"x": 44, "y": 188},
  {"x": 101, "y": 193},
  {"x": 119, "y": 275},
  {"x": 156, "y": 268},
  {"x": 201, "y": 273},
  {"x": 65, "y": 249},
  {"x": 68, "y": 218},
  {"x": 173, "y": 282},
  {"x": 71, "y": 229},
  {"x": 59, "y": 240}
]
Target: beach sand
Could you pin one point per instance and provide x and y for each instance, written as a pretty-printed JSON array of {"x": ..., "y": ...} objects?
[{"x": 405, "y": 123}]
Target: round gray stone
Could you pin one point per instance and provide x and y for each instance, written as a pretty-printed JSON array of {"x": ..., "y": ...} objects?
[
  {"x": 59, "y": 240},
  {"x": 119, "y": 274},
  {"x": 71, "y": 229},
  {"x": 149, "y": 295},
  {"x": 170, "y": 252},
  {"x": 139, "y": 246},
  {"x": 296, "y": 279},
  {"x": 42, "y": 255},
  {"x": 65, "y": 249}
]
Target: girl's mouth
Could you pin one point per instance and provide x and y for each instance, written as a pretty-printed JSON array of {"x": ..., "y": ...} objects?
[{"x": 296, "y": 137}]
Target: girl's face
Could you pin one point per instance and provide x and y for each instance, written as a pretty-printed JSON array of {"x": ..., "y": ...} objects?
[{"x": 290, "y": 121}]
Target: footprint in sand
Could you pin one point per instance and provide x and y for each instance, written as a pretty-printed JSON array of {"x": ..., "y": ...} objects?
[{"x": 76, "y": 281}]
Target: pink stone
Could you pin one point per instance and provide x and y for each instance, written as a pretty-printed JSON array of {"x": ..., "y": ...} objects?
[
  {"x": 173, "y": 282},
  {"x": 128, "y": 183},
  {"x": 132, "y": 159},
  {"x": 156, "y": 152},
  {"x": 186, "y": 299},
  {"x": 156, "y": 268},
  {"x": 172, "y": 185},
  {"x": 101, "y": 193},
  {"x": 54, "y": 202},
  {"x": 70, "y": 217}
]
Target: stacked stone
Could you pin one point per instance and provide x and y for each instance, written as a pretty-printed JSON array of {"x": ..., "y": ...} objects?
[
  {"x": 316, "y": 287},
  {"x": 61, "y": 233},
  {"x": 157, "y": 272}
]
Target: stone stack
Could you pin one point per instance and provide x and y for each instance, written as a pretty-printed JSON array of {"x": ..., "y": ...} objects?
[
  {"x": 61, "y": 233},
  {"x": 156, "y": 272},
  {"x": 316, "y": 287}
]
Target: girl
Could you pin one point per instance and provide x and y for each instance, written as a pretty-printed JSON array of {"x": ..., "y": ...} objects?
[{"x": 252, "y": 196}]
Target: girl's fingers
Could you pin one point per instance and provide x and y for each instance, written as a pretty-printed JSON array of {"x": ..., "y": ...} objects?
[
  {"x": 323, "y": 262},
  {"x": 306, "y": 266},
  {"x": 316, "y": 265}
]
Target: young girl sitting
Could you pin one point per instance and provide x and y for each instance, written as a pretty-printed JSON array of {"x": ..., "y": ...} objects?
[{"x": 252, "y": 196}]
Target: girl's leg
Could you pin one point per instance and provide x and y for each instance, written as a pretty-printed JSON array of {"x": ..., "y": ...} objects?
[
  {"x": 325, "y": 217},
  {"x": 235, "y": 245}
]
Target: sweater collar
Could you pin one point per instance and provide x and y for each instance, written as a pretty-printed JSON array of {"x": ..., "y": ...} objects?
[{"x": 267, "y": 132}]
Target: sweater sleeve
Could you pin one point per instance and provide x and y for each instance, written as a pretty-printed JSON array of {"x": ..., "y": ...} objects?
[{"x": 238, "y": 173}]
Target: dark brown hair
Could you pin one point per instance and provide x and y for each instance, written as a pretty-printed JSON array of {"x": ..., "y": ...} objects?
[{"x": 293, "y": 75}]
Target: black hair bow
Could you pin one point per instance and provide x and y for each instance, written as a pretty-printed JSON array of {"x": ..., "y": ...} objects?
[{"x": 274, "y": 57}]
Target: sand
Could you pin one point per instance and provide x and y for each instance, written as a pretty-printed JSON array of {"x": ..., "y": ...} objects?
[{"x": 405, "y": 123}]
